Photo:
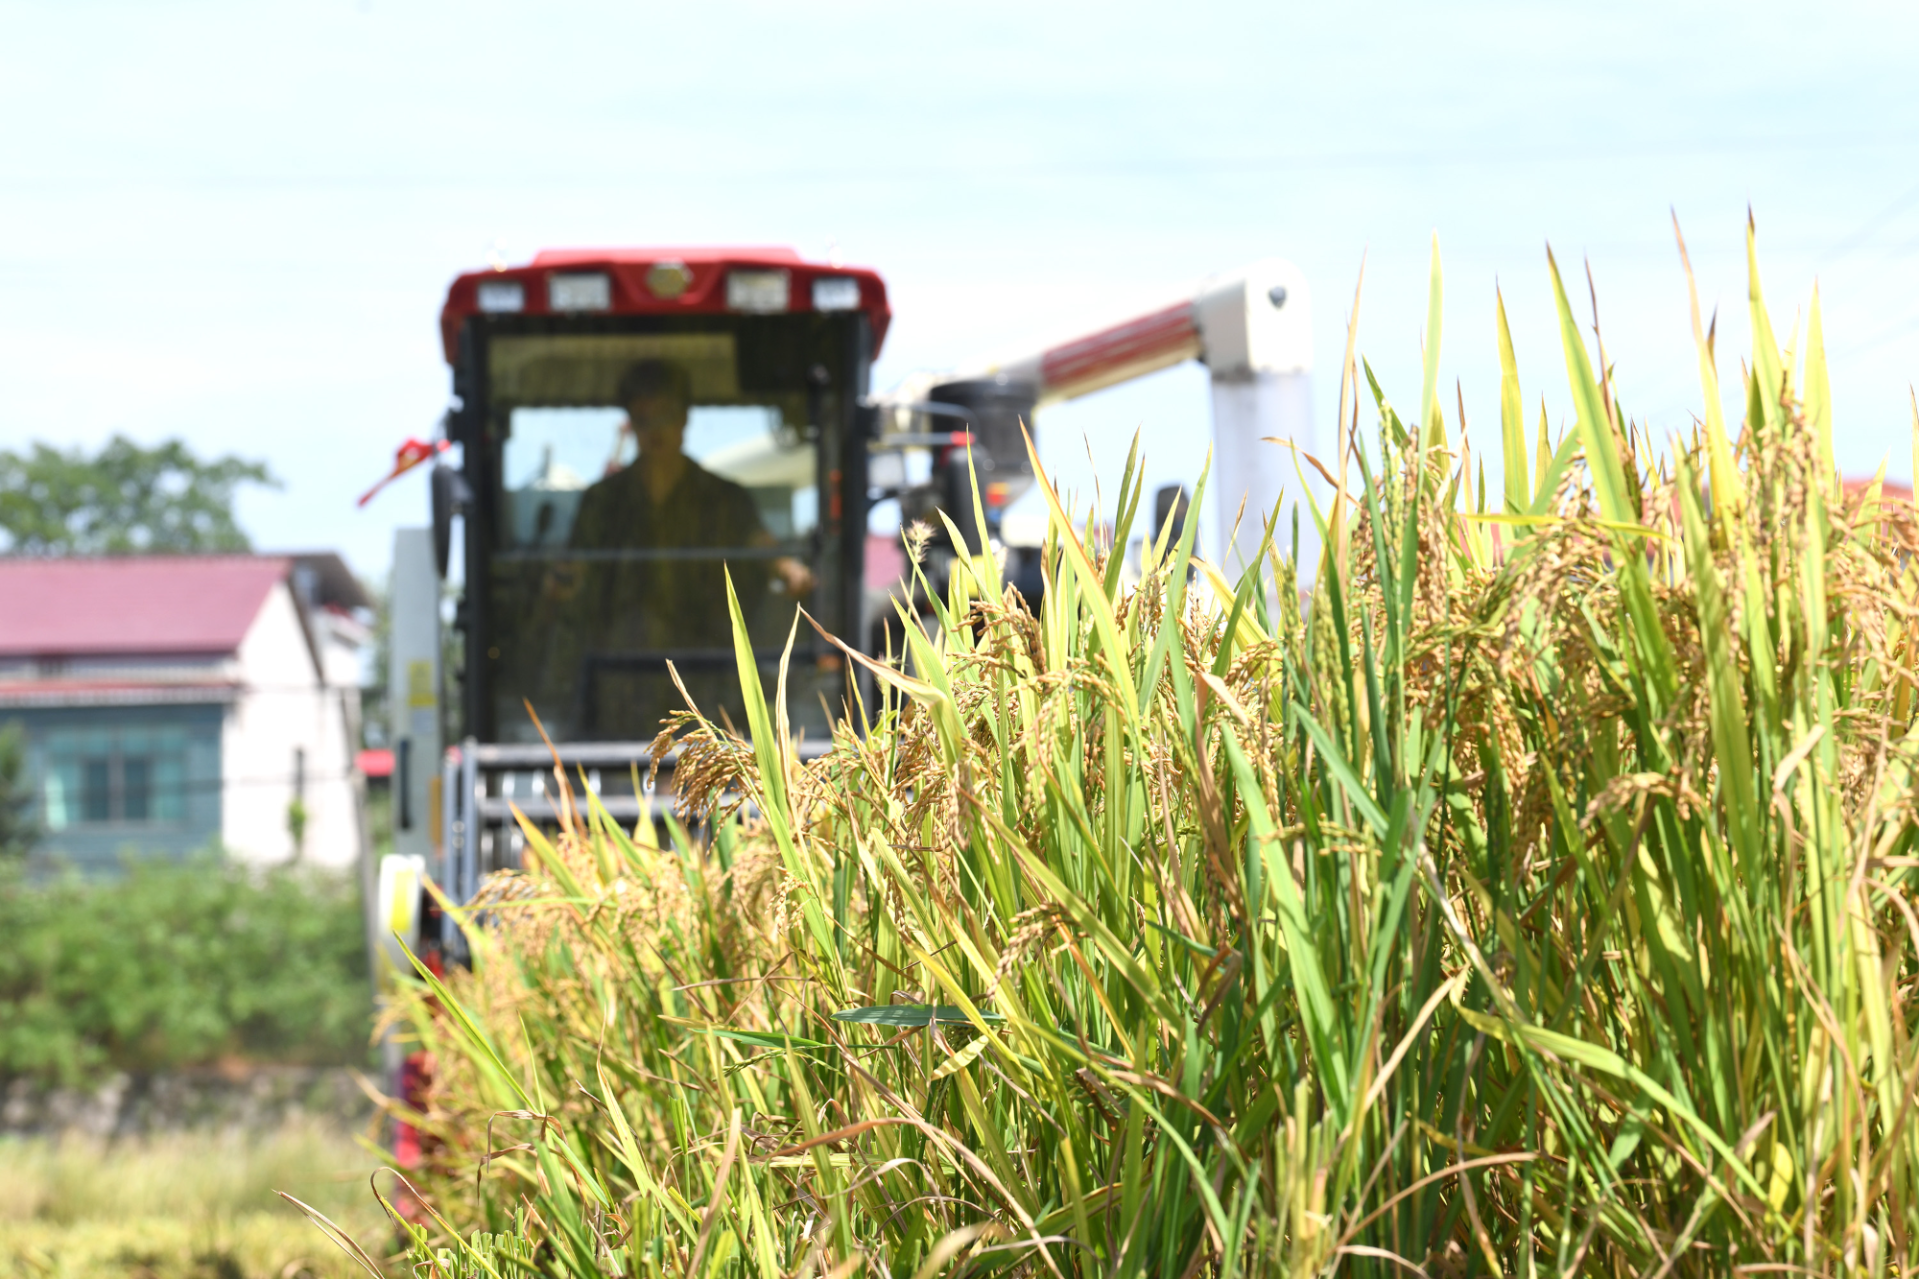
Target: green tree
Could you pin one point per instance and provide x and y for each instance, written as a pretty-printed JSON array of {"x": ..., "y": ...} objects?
[
  {"x": 17, "y": 826},
  {"x": 123, "y": 499}
]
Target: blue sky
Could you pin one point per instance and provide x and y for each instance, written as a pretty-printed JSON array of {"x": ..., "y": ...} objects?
[{"x": 235, "y": 222}]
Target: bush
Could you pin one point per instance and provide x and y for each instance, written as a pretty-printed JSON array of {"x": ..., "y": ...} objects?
[
  {"x": 1539, "y": 901},
  {"x": 179, "y": 964},
  {"x": 18, "y": 829}
]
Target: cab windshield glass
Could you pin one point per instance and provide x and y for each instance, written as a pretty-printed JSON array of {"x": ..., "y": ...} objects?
[{"x": 632, "y": 475}]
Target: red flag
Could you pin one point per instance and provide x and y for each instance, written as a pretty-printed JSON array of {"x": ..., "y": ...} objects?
[{"x": 410, "y": 455}]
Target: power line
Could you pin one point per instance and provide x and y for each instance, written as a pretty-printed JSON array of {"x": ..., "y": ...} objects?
[
  {"x": 1871, "y": 225},
  {"x": 1885, "y": 335},
  {"x": 575, "y": 180},
  {"x": 201, "y": 785}
]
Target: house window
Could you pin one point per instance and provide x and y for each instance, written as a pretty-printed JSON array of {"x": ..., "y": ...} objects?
[{"x": 115, "y": 777}]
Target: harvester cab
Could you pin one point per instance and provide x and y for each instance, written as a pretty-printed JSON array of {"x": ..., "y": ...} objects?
[
  {"x": 632, "y": 434},
  {"x": 634, "y": 428}
]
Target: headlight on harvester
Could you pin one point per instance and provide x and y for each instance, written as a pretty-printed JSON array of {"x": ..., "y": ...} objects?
[
  {"x": 501, "y": 295},
  {"x": 836, "y": 293},
  {"x": 760, "y": 292},
  {"x": 579, "y": 291}
]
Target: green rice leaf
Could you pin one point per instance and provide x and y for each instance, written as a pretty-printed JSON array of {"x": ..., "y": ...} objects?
[{"x": 911, "y": 1015}]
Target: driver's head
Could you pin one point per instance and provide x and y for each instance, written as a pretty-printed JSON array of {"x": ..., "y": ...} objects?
[{"x": 655, "y": 395}]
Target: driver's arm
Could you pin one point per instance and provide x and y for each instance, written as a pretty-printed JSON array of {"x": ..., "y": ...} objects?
[{"x": 794, "y": 574}]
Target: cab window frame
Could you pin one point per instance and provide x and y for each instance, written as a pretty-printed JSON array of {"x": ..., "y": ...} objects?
[{"x": 827, "y": 363}]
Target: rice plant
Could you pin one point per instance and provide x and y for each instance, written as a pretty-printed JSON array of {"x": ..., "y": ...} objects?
[{"x": 1522, "y": 888}]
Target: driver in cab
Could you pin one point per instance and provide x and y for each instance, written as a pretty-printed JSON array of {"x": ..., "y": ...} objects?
[{"x": 663, "y": 503}]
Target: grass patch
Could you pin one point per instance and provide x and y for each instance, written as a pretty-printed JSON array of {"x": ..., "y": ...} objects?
[{"x": 190, "y": 1206}]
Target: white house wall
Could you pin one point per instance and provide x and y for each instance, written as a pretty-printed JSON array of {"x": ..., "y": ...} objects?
[{"x": 283, "y": 707}]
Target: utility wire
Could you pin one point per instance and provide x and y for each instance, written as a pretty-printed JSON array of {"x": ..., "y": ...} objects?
[
  {"x": 503, "y": 179},
  {"x": 1872, "y": 225},
  {"x": 1885, "y": 335}
]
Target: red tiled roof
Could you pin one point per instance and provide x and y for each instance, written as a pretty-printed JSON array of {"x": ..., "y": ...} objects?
[
  {"x": 1889, "y": 490},
  {"x": 133, "y": 604}
]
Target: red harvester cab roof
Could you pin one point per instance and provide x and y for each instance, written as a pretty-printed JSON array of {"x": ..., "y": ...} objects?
[{"x": 676, "y": 281}]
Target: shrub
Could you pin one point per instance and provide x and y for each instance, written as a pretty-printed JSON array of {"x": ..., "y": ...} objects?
[
  {"x": 1535, "y": 893},
  {"x": 176, "y": 964},
  {"x": 18, "y": 828}
]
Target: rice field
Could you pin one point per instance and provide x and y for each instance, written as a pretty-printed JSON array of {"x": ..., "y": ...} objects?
[{"x": 1525, "y": 886}]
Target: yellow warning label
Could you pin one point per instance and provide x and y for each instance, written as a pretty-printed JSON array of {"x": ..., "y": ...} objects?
[
  {"x": 406, "y": 900},
  {"x": 419, "y": 684}
]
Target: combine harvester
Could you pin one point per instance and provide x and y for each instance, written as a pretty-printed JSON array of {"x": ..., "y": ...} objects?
[{"x": 628, "y": 425}]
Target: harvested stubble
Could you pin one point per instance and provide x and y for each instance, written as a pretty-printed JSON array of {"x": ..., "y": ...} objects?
[{"x": 1534, "y": 898}]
